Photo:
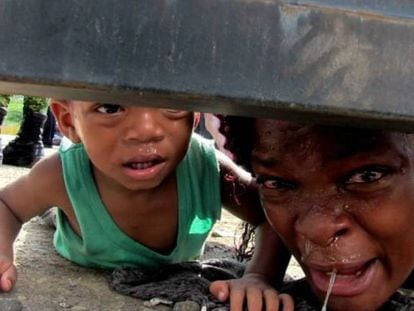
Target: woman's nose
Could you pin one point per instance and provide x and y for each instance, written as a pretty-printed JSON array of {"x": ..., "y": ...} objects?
[
  {"x": 322, "y": 226},
  {"x": 144, "y": 126}
]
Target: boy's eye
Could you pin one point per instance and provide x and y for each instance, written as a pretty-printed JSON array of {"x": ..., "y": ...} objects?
[
  {"x": 109, "y": 108},
  {"x": 367, "y": 175},
  {"x": 276, "y": 183},
  {"x": 177, "y": 113},
  {"x": 174, "y": 110}
]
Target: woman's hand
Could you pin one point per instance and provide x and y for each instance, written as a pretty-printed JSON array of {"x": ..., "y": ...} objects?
[{"x": 253, "y": 292}]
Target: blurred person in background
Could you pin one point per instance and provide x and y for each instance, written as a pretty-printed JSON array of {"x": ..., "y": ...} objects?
[{"x": 27, "y": 147}]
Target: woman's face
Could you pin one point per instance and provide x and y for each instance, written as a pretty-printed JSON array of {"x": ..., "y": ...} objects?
[{"x": 343, "y": 201}]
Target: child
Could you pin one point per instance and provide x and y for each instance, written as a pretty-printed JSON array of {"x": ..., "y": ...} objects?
[
  {"x": 136, "y": 189},
  {"x": 341, "y": 200}
]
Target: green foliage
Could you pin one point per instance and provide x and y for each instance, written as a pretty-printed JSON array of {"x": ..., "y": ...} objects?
[
  {"x": 14, "y": 116},
  {"x": 36, "y": 103},
  {"x": 14, "y": 110}
]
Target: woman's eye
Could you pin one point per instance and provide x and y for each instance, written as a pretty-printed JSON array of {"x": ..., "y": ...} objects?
[
  {"x": 367, "y": 175},
  {"x": 109, "y": 108},
  {"x": 275, "y": 183}
]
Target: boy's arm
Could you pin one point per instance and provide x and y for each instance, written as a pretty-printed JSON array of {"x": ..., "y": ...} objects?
[
  {"x": 21, "y": 200},
  {"x": 9, "y": 228}
]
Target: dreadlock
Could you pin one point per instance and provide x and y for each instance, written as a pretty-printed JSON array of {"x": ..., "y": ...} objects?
[{"x": 239, "y": 133}]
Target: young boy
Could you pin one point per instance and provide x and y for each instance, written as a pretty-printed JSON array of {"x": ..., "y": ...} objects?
[
  {"x": 137, "y": 188},
  {"x": 341, "y": 200}
]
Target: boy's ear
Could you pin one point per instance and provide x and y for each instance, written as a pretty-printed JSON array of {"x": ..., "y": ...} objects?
[
  {"x": 197, "y": 117},
  {"x": 63, "y": 113}
]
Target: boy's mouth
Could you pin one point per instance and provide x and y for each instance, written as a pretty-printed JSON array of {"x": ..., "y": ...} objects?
[
  {"x": 351, "y": 279},
  {"x": 142, "y": 165},
  {"x": 143, "y": 162},
  {"x": 144, "y": 168}
]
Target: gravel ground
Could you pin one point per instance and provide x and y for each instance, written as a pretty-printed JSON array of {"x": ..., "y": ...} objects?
[{"x": 48, "y": 282}]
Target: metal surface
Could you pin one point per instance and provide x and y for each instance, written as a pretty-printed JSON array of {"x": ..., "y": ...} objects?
[{"x": 344, "y": 62}]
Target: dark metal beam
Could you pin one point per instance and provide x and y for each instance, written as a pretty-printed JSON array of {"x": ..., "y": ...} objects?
[{"x": 328, "y": 61}]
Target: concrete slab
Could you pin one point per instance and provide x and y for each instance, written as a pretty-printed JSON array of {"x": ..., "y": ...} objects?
[{"x": 307, "y": 60}]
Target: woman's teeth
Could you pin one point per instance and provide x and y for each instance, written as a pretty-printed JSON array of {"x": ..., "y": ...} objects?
[{"x": 339, "y": 274}]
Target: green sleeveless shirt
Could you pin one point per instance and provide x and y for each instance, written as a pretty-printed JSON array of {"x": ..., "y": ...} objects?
[{"x": 104, "y": 245}]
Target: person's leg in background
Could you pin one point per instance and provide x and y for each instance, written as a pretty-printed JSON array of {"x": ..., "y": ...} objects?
[
  {"x": 27, "y": 148},
  {"x": 49, "y": 129},
  {"x": 4, "y": 103},
  {"x": 201, "y": 127}
]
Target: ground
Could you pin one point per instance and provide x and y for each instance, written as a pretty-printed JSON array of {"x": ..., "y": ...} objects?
[{"x": 48, "y": 282}]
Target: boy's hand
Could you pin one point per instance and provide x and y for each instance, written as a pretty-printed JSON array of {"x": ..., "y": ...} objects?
[
  {"x": 253, "y": 290},
  {"x": 8, "y": 274}
]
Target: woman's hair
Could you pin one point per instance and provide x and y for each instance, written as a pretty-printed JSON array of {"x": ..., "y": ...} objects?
[{"x": 239, "y": 134}]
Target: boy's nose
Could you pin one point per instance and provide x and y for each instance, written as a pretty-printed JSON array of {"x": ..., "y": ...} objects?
[
  {"x": 322, "y": 226},
  {"x": 144, "y": 126}
]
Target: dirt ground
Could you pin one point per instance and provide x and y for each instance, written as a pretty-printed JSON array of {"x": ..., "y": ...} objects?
[{"x": 48, "y": 282}]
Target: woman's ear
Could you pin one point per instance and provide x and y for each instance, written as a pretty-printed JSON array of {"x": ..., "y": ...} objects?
[{"x": 63, "y": 113}]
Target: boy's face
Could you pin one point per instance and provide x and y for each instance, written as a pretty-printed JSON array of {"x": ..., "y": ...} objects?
[
  {"x": 136, "y": 147},
  {"x": 342, "y": 200}
]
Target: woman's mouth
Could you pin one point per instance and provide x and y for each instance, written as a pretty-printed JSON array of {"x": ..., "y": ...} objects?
[{"x": 351, "y": 279}]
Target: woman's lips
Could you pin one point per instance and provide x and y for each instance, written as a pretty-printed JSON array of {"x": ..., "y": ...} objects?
[{"x": 351, "y": 279}]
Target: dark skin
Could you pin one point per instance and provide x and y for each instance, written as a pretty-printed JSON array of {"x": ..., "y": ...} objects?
[{"x": 341, "y": 200}]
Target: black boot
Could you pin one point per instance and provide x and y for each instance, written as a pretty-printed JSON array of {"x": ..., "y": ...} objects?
[
  {"x": 27, "y": 148},
  {"x": 49, "y": 129},
  {"x": 3, "y": 112}
]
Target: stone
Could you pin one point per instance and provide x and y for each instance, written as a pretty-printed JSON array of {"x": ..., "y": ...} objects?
[
  {"x": 10, "y": 304},
  {"x": 186, "y": 306}
]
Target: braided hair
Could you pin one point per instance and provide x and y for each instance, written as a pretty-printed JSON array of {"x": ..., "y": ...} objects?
[{"x": 239, "y": 134}]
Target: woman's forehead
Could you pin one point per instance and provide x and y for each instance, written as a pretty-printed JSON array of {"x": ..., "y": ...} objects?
[{"x": 334, "y": 142}]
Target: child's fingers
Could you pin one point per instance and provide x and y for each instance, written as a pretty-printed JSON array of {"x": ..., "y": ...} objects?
[
  {"x": 220, "y": 290},
  {"x": 237, "y": 299},
  {"x": 5, "y": 284},
  {"x": 254, "y": 299},
  {"x": 272, "y": 299},
  {"x": 8, "y": 279},
  {"x": 287, "y": 301}
]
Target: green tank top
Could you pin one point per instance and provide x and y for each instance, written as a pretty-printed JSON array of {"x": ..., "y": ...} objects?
[{"x": 104, "y": 245}]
